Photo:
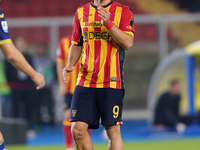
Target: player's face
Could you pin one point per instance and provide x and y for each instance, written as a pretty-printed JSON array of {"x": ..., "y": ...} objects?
[
  {"x": 21, "y": 44},
  {"x": 176, "y": 88},
  {"x": 100, "y": 1}
]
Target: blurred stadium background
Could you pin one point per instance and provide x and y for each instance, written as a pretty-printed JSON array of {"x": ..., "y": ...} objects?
[{"x": 163, "y": 29}]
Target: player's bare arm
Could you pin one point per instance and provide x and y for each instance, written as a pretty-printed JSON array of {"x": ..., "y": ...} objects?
[
  {"x": 18, "y": 60},
  {"x": 62, "y": 84},
  {"x": 73, "y": 57},
  {"x": 122, "y": 38}
]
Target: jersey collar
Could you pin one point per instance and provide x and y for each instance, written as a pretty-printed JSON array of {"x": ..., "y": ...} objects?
[{"x": 106, "y": 5}]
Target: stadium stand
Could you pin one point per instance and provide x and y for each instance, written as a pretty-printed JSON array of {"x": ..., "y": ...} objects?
[
  {"x": 190, "y": 31},
  {"x": 190, "y": 5},
  {"x": 38, "y": 8},
  {"x": 62, "y": 8}
]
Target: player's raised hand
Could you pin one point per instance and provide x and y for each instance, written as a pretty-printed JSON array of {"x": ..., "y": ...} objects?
[
  {"x": 39, "y": 80},
  {"x": 104, "y": 14},
  {"x": 66, "y": 71}
]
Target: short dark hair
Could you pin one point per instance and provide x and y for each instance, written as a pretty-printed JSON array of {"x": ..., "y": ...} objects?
[{"x": 174, "y": 81}]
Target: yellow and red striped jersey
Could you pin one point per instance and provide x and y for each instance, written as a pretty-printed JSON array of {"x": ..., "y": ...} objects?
[
  {"x": 62, "y": 56},
  {"x": 102, "y": 60}
]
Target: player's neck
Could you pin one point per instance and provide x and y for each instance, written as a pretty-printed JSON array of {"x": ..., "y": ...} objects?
[{"x": 101, "y": 2}]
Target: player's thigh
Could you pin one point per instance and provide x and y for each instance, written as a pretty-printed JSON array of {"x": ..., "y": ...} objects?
[
  {"x": 84, "y": 107},
  {"x": 79, "y": 127},
  {"x": 110, "y": 105}
]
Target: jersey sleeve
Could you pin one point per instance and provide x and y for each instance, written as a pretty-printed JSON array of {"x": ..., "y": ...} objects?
[
  {"x": 60, "y": 53},
  {"x": 127, "y": 21},
  {"x": 77, "y": 38},
  {"x": 4, "y": 35}
]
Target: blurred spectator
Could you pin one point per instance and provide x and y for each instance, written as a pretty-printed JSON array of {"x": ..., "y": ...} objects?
[
  {"x": 44, "y": 109},
  {"x": 22, "y": 87},
  {"x": 4, "y": 93},
  {"x": 167, "y": 110}
]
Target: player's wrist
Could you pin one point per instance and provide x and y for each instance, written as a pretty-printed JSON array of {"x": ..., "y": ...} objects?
[
  {"x": 109, "y": 25},
  {"x": 32, "y": 74}
]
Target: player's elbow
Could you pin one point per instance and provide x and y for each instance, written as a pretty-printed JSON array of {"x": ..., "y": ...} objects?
[
  {"x": 10, "y": 52},
  {"x": 11, "y": 57},
  {"x": 129, "y": 45}
]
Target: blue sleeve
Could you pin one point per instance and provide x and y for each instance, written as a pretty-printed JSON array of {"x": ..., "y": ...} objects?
[{"x": 4, "y": 35}]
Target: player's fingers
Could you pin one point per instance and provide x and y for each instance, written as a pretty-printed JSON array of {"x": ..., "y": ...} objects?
[
  {"x": 100, "y": 8},
  {"x": 64, "y": 75},
  {"x": 69, "y": 69},
  {"x": 41, "y": 85},
  {"x": 102, "y": 17},
  {"x": 101, "y": 13},
  {"x": 105, "y": 10},
  {"x": 65, "y": 80},
  {"x": 63, "y": 72},
  {"x": 38, "y": 87}
]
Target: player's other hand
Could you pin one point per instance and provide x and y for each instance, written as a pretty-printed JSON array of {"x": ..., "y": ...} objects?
[
  {"x": 39, "y": 80},
  {"x": 63, "y": 90},
  {"x": 104, "y": 14},
  {"x": 66, "y": 71}
]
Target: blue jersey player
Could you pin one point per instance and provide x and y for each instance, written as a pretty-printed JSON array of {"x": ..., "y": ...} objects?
[{"x": 16, "y": 59}]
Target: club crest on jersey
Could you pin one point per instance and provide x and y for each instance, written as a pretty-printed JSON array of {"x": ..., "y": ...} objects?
[
  {"x": 94, "y": 24},
  {"x": 4, "y": 26},
  {"x": 74, "y": 113}
]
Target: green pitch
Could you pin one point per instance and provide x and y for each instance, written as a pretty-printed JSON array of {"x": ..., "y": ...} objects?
[{"x": 186, "y": 144}]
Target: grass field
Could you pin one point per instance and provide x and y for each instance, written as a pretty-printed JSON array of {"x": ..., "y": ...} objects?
[{"x": 186, "y": 144}]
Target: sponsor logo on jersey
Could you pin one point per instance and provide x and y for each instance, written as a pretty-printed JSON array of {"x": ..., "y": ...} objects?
[
  {"x": 88, "y": 15},
  {"x": 97, "y": 36},
  {"x": 4, "y": 26},
  {"x": 113, "y": 79},
  {"x": 2, "y": 15},
  {"x": 94, "y": 24}
]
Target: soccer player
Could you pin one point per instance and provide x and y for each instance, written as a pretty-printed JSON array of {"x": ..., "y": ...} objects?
[
  {"x": 16, "y": 59},
  {"x": 66, "y": 90},
  {"x": 103, "y": 30}
]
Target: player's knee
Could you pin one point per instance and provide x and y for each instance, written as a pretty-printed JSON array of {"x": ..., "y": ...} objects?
[
  {"x": 79, "y": 131},
  {"x": 113, "y": 132},
  {"x": 1, "y": 137}
]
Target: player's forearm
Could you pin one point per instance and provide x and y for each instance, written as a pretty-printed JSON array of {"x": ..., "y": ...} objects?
[
  {"x": 17, "y": 59},
  {"x": 122, "y": 38},
  {"x": 74, "y": 55},
  {"x": 60, "y": 66}
]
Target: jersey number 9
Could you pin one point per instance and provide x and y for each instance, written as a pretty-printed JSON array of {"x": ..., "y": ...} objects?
[{"x": 115, "y": 111}]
